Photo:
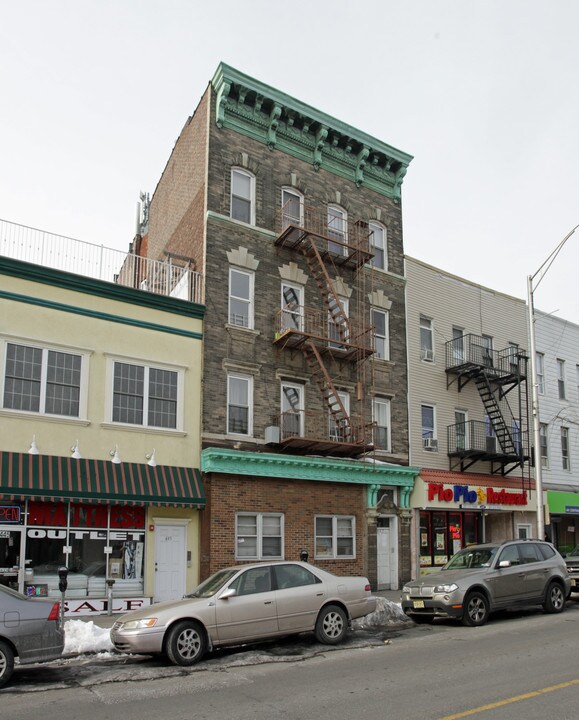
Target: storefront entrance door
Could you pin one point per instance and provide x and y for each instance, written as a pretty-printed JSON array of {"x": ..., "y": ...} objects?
[
  {"x": 10, "y": 556},
  {"x": 387, "y": 556},
  {"x": 170, "y": 561}
]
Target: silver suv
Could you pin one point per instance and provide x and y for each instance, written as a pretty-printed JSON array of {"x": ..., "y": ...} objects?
[{"x": 484, "y": 578}]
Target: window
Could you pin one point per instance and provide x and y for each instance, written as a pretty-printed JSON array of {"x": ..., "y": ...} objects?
[
  {"x": 338, "y": 321},
  {"x": 293, "y": 307},
  {"x": 252, "y": 581},
  {"x": 337, "y": 230},
  {"x": 561, "y": 378},
  {"x": 240, "y": 298},
  {"x": 524, "y": 531},
  {"x": 291, "y": 576},
  {"x": 458, "y": 345},
  {"x": 460, "y": 424},
  {"x": 426, "y": 339},
  {"x": 242, "y": 196},
  {"x": 491, "y": 438},
  {"x": 239, "y": 404},
  {"x": 487, "y": 350},
  {"x": 42, "y": 381},
  {"x": 381, "y": 321},
  {"x": 292, "y": 204},
  {"x": 516, "y": 435},
  {"x": 145, "y": 395},
  {"x": 429, "y": 441},
  {"x": 292, "y": 410},
  {"x": 544, "y": 446},
  {"x": 378, "y": 246},
  {"x": 259, "y": 536},
  {"x": 577, "y": 373},
  {"x": 540, "y": 362},
  {"x": 381, "y": 412},
  {"x": 565, "y": 448},
  {"x": 338, "y": 428},
  {"x": 334, "y": 537},
  {"x": 513, "y": 355}
]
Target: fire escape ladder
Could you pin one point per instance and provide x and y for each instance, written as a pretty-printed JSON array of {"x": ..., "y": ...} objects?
[
  {"x": 324, "y": 382},
  {"x": 336, "y": 312},
  {"x": 495, "y": 414}
]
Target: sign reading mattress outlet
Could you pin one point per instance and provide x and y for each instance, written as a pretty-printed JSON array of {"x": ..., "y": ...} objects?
[{"x": 480, "y": 496}]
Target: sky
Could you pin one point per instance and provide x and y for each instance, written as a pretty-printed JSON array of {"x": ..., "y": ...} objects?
[{"x": 483, "y": 93}]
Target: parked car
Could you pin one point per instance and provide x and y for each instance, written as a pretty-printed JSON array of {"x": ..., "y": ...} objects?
[
  {"x": 483, "y": 578},
  {"x": 243, "y": 604},
  {"x": 30, "y": 629},
  {"x": 572, "y": 562}
]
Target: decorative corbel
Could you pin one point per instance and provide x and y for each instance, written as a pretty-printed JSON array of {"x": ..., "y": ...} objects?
[
  {"x": 242, "y": 94},
  {"x": 373, "y": 496},
  {"x": 398, "y": 178},
  {"x": 273, "y": 123},
  {"x": 360, "y": 165},
  {"x": 321, "y": 136},
  {"x": 222, "y": 100},
  {"x": 258, "y": 103}
]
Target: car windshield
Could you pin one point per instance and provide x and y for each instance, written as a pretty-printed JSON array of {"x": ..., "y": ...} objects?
[
  {"x": 471, "y": 558},
  {"x": 213, "y": 584}
]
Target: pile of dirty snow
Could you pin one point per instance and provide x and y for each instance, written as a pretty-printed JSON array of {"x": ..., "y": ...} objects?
[
  {"x": 83, "y": 636},
  {"x": 386, "y": 614}
]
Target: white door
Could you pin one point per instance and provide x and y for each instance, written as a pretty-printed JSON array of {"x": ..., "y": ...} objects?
[
  {"x": 170, "y": 562},
  {"x": 387, "y": 554}
]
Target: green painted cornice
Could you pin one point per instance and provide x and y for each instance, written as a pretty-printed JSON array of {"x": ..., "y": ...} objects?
[
  {"x": 280, "y": 121},
  {"x": 301, "y": 467},
  {"x": 100, "y": 288}
]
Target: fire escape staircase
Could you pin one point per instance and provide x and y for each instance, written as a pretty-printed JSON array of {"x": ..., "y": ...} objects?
[{"x": 494, "y": 413}]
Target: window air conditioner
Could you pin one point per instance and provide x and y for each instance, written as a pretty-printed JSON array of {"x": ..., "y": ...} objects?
[
  {"x": 427, "y": 355},
  {"x": 272, "y": 435},
  {"x": 430, "y": 443},
  {"x": 492, "y": 445}
]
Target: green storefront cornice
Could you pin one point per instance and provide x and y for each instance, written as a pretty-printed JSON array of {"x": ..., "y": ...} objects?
[
  {"x": 300, "y": 467},
  {"x": 280, "y": 121},
  {"x": 100, "y": 288}
]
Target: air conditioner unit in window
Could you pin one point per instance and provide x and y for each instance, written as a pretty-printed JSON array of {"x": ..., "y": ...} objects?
[
  {"x": 272, "y": 435},
  {"x": 427, "y": 355},
  {"x": 430, "y": 443},
  {"x": 491, "y": 445}
]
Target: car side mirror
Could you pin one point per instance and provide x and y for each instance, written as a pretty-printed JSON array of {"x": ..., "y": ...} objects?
[
  {"x": 505, "y": 564},
  {"x": 229, "y": 592}
]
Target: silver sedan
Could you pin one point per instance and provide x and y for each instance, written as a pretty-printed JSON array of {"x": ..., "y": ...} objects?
[{"x": 244, "y": 604}]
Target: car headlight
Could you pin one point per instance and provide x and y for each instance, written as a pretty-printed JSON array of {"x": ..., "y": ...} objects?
[
  {"x": 446, "y": 588},
  {"x": 139, "y": 624}
]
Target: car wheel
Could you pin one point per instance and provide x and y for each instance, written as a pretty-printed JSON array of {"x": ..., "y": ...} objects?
[
  {"x": 555, "y": 599},
  {"x": 423, "y": 619},
  {"x": 6, "y": 663},
  {"x": 186, "y": 643},
  {"x": 331, "y": 625},
  {"x": 476, "y": 609}
]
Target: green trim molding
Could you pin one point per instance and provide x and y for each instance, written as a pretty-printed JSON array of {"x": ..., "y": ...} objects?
[
  {"x": 100, "y": 288},
  {"x": 563, "y": 503},
  {"x": 300, "y": 467},
  {"x": 269, "y": 116}
]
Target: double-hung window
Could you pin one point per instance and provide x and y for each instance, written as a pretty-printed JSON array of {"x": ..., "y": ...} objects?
[
  {"x": 292, "y": 307},
  {"x": 338, "y": 428},
  {"x": 144, "y": 395},
  {"x": 378, "y": 246},
  {"x": 41, "y": 380},
  {"x": 543, "y": 430},
  {"x": 338, "y": 321},
  {"x": 381, "y": 412},
  {"x": 458, "y": 345},
  {"x": 426, "y": 339},
  {"x": 561, "y": 378},
  {"x": 461, "y": 425},
  {"x": 239, "y": 404},
  {"x": 380, "y": 322},
  {"x": 292, "y": 208},
  {"x": 540, "y": 362},
  {"x": 292, "y": 410},
  {"x": 335, "y": 536},
  {"x": 259, "y": 536},
  {"x": 242, "y": 196},
  {"x": 241, "y": 298},
  {"x": 337, "y": 230},
  {"x": 429, "y": 440},
  {"x": 565, "y": 448}
]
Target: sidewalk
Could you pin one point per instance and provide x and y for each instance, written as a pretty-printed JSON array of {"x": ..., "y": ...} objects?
[{"x": 107, "y": 621}]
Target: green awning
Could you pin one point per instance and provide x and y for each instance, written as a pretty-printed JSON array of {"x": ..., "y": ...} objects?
[
  {"x": 46, "y": 477},
  {"x": 563, "y": 503}
]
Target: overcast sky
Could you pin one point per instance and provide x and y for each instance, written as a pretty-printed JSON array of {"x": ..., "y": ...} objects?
[{"x": 483, "y": 93}]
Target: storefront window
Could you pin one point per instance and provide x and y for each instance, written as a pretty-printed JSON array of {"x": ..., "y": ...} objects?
[
  {"x": 440, "y": 540},
  {"x": 442, "y": 534}
]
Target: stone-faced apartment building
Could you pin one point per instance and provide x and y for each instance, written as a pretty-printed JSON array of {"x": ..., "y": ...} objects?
[
  {"x": 469, "y": 415},
  {"x": 294, "y": 219}
]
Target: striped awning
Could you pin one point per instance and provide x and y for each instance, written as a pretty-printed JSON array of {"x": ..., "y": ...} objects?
[{"x": 46, "y": 477}]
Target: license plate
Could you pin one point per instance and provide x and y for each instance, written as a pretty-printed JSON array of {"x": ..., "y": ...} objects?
[{"x": 418, "y": 604}]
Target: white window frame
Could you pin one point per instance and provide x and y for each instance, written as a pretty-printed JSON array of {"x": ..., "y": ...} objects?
[
  {"x": 300, "y": 410},
  {"x": 249, "y": 301},
  {"x": 337, "y": 343},
  {"x": 565, "y": 457},
  {"x": 464, "y": 414},
  {"x": 259, "y": 536},
  {"x": 561, "y": 379},
  {"x": 45, "y": 349},
  {"x": 540, "y": 362},
  {"x": 333, "y": 555},
  {"x": 378, "y": 240},
  {"x": 248, "y": 379},
  {"x": 335, "y": 433},
  {"x": 381, "y": 341},
  {"x": 287, "y": 218},
  {"x": 544, "y": 444},
  {"x": 147, "y": 367},
  {"x": 427, "y": 433},
  {"x": 340, "y": 235},
  {"x": 524, "y": 531},
  {"x": 251, "y": 199},
  {"x": 296, "y": 316},
  {"x": 458, "y": 354},
  {"x": 426, "y": 331},
  {"x": 382, "y": 407}
]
